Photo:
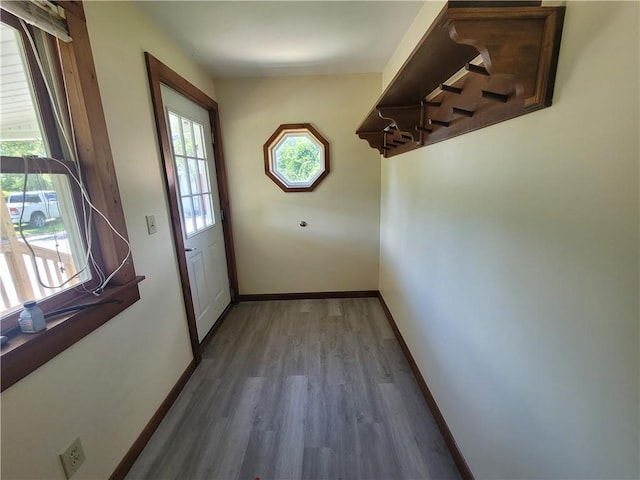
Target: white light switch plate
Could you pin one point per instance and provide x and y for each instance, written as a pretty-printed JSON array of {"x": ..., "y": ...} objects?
[{"x": 151, "y": 224}]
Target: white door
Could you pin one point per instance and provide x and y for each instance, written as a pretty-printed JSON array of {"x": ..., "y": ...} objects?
[{"x": 197, "y": 188}]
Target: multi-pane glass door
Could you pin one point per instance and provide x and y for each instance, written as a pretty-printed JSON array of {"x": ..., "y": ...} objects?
[{"x": 192, "y": 170}]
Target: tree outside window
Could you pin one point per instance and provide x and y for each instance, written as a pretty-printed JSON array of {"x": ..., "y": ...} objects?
[{"x": 296, "y": 157}]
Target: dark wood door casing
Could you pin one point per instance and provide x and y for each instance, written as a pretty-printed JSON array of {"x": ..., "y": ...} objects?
[{"x": 158, "y": 74}]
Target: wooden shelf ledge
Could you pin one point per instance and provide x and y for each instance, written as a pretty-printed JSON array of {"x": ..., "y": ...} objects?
[{"x": 474, "y": 67}]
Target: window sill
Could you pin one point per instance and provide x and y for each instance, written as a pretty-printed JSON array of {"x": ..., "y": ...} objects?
[{"x": 25, "y": 352}]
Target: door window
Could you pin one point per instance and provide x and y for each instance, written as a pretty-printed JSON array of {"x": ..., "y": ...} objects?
[{"x": 192, "y": 170}]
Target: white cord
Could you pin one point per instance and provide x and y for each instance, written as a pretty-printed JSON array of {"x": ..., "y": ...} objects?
[
  {"x": 24, "y": 239},
  {"x": 54, "y": 104},
  {"x": 86, "y": 198},
  {"x": 87, "y": 215}
]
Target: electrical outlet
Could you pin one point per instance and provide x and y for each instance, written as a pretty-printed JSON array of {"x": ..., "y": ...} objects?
[
  {"x": 151, "y": 224},
  {"x": 72, "y": 458}
]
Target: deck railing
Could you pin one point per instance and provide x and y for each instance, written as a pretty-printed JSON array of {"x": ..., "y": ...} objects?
[{"x": 17, "y": 271}]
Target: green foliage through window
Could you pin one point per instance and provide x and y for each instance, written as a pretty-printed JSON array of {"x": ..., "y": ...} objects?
[
  {"x": 10, "y": 182},
  {"x": 14, "y": 182},
  {"x": 18, "y": 148},
  {"x": 298, "y": 158}
]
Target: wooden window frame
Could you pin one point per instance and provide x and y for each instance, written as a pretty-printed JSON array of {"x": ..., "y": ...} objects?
[
  {"x": 268, "y": 156},
  {"x": 24, "y": 353},
  {"x": 51, "y": 136}
]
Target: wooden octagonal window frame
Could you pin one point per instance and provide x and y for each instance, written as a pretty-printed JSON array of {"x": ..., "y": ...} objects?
[{"x": 270, "y": 167}]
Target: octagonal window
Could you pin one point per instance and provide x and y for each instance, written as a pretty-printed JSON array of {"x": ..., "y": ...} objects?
[{"x": 296, "y": 157}]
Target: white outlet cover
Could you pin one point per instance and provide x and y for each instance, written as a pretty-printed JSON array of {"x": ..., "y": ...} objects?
[{"x": 72, "y": 458}]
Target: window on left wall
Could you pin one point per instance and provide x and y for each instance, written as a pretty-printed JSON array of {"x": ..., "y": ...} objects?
[
  {"x": 44, "y": 251},
  {"x": 63, "y": 236}
]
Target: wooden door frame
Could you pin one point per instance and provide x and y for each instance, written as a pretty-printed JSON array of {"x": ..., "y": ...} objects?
[{"x": 158, "y": 74}]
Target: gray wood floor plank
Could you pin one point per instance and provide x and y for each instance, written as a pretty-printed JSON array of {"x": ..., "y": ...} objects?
[
  {"x": 379, "y": 320},
  {"x": 238, "y": 431},
  {"x": 342, "y": 433},
  {"x": 210, "y": 446},
  {"x": 317, "y": 415},
  {"x": 400, "y": 425},
  {"x": 267, "y": 415},
  {"x": 316, "y": 463},
  {"x": 366, "y": 398},
  {"x": 378, "y": 458},
  {"x": 290, "y": 440},
  {"x": 259, "y": 455},
  {"x": 311, "y": 389},
  {"x": 334, "y": 307}
]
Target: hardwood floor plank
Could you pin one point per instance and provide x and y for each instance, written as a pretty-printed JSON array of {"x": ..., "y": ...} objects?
[
  {"x": 186, "y": 426},
  {"x": 312, "y": 389},
  {"x": 379, "y": 320},
  {"x": 378, "y": 458},
  {"x": 316, "y": 463},
  {"x": 334, "y": 307},
  {"x": 238, "y": 431},
  {"x": 342, "y": 433},
  {"x": 259, "y": 455},
  {"x": 211, "y": 444},
  {"x": 267, "y": 414},
  {"x": 317, "y": 415},
  {"x": 400, "y": 426},
  {"x": 290, "y": 442}
]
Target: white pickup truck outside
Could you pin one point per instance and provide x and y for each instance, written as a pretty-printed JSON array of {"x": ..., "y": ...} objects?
[{"x": 39, "y": 207}]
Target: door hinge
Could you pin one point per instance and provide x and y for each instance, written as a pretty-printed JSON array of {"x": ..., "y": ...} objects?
[{"x": 222, "y": 214}]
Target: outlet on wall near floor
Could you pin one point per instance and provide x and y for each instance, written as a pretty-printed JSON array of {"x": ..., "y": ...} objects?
[{"x": 72, "y": 458}]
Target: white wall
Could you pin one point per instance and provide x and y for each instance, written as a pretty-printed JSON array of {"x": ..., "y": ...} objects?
[
  {"x": 509, "y": 259},
  {"x": 106, "y": 387},
  {"x": 338, "y": 250}
]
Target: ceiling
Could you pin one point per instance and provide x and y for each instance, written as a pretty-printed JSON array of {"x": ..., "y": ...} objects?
[{"x": 264, "y": 38}]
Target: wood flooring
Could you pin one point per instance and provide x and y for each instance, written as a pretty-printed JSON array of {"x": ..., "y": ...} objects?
[{"x": 300, "y": 389}]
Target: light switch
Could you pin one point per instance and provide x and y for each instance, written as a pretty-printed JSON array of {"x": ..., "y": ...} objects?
[{"x": 151, "y": 224}]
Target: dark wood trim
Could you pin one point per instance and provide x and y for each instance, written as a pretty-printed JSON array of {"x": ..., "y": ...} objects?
[
  {"x": 94, "y": 151},
  {"x": 259, "y": 297},
  {"x": 216, "y": 327},
  {"x": 36, "y": 164},
  {"x": 223, "y": 193},
  {"x": 461, "y": 463},
  {"x": 51, "y": 137},
  {"x": 153, "y": 69},
  {"x": 26, "y": 352},
  {"x": 159, "y": 74},
  {"x": 492, "y": 3},
  {"x": 555, "y": 33},
  {"x": 136, "y": 449},
  {"x": 266, "y": 150},
  {"x": 519, "y": 45},
  {"x": 74, "y": 6}
]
